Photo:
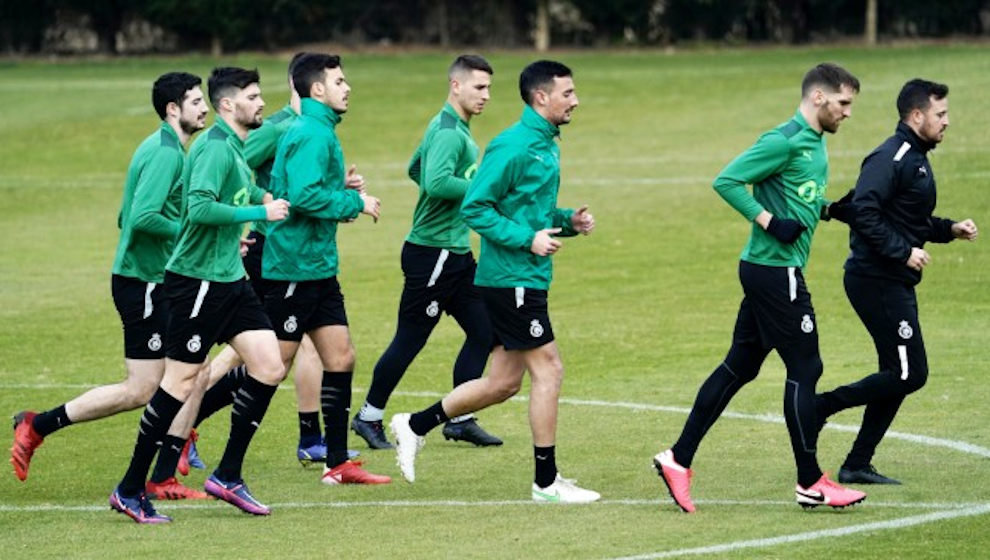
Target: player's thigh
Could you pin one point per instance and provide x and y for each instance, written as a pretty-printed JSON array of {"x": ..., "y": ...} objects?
[
  {"x": 506, "y": 371},
  {"x": 144, "y": 376},
  {"x": 544, "y": 364},
  {"x": 334, "y": 346},
  {"x": 261, "y": 354},
  {"x": 889, "y": 310}
]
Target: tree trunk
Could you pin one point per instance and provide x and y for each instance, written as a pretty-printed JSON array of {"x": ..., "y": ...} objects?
[
  {"x": 542, "y": 31},
  {"x": 216, "y": 46},
  {"x": 870, "y": 35}
]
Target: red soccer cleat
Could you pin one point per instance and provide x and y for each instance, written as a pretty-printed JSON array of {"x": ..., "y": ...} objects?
[
  {"x": 677, "y": 479},
  {"x": 172, "y": 489},
  {"x": 350, "y": 472},
  {"x": 183, "y": 466},
  {"x": 26, "y": 440},
  {"x": 827, "y": 493}
]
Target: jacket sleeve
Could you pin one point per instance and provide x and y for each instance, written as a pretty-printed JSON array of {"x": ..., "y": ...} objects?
[
  {"x": 941, "y": 230},
  {"x": 875, "y": 187},
  {"x": 208, "y": 174},
  {"x": 151, "y": 191},
  {"x": 415, "y": 169},
  {"x": 767, "y": 156},
  {"x": 497, "y": 172},
  {"x": 309, "y": 191},
  {"x": 441, "y": 164},
  {"x": 562, "y": 219},
  {"x": 260, "y": 145}
]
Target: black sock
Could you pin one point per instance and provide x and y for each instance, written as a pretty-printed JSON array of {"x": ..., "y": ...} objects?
[
  {"x": 168, "y": 458},
  {"x": 221, "y": 394},
  {"x": 425, "y": 420},
  {"x": 309, "y": 428},
  {"x": 155, "y": 421},
  {"x": 335, "y": 400},
  {"x": 251, "y": 402},
  {"x": 51, "y": 421},
  {"x": 546, "y": 465}
]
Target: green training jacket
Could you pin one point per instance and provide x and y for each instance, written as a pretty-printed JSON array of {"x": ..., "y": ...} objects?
[
  {"x": 259, "y": 151},
  {"x": 219, "y": 197},
  {"x": 309, "y": 173},
  {"x": 149, "y": 211},
  {"x": 514, "y": 195}
]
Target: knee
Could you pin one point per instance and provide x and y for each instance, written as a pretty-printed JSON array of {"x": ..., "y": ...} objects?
[
  {"x": 343, "y": 360},
  {"x": 269, "y": 373},
  {"x": 916, "y": 379},
  {"x": 137, "y": 394},
  {"x": 505, "y": 390}
]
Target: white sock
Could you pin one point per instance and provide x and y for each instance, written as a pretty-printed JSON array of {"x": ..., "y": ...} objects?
[{"x": 370, "y": 413}]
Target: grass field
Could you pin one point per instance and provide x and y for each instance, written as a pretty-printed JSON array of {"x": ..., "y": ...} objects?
[{"x": 643, "y": 310}]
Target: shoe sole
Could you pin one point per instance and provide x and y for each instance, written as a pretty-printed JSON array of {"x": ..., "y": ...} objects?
[
  {"x": 476, "y": 443},
  {"x": 657, "y": 466},
  {"x": 221, "y": 493},
  {"x": 115, "y": 505},
  {"x": 805, "y": 505}
]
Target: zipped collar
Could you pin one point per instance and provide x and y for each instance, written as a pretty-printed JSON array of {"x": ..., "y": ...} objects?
[
  {"x": 531, "y": 119},
  {"x": 313, "y": 108},
  {"x": 231, "y": 135},
  {"x": 908, "y": 134},
  {"x": 804, "y": 123},
  {"x": 448, "y": 108}
]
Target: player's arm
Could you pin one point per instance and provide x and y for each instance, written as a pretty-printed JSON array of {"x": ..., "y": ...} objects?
[
  {"x": 208, "y": 174},
  {"x": 498, "y": 170},
  {"x": 415, "y": 169},
  {"x": 260, "y": 145},
  {"x": 766, "y": 157},
  {"x": 151, "y": 192},
  {"x": 310, "y": 192},
  {"x": 563, "y": 218},
  {"x": 942, "y": 230},
  {"x": 441, "y": 164},
  {"x": 875, "y": 188}
]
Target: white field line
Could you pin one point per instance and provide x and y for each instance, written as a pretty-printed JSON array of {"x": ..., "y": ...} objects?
[
  {"x": 941, "y": 506},
  {"x": 815, "y": 535},
  {"x": 955, "y": 445}
]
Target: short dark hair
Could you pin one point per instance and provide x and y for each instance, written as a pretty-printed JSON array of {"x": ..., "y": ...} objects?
[
  {"x": 828, "y": 75},
  {"x": 172, "y": 88},
  {"x": 310, "y": 68},
  {"x": 225, "y": 79},
  {"x": 295, "y": 59},
  {"x": 540, "y": 75},
  {"x": 917, "y": 94},
  {"x": 467, "y": 62}
]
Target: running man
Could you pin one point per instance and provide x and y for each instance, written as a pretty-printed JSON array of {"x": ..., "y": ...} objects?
[
  {"x": 149, "y": 226},
  {"x": 436, "y": 259},
  {"x": 211, "y": 301}
]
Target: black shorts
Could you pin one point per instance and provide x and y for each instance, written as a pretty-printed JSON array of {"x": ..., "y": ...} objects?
[
  {"x": 889, "y": 310},
  {"x": 519, "y": 317},
  {"x": 776, "y": 310},
  {"x": 436, "y": 281},
  {"x": 203, "y": 313},
  {"x": 143, "y": 310},
  {"x": 252, "y": 264},
  {"x": 296, "y": 308}
]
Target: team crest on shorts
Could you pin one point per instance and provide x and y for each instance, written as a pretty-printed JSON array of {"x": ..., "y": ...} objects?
[
  {"x": 807, "y": 325},
  {"x": 432, "y": 309},
  {"x": 291, "y": 324},
  {"x": 535, "y": 329},
  {"x": 155, "y": 342},
  {"x": 905, "y": 331},
  {"x": 194, "y": 344}
]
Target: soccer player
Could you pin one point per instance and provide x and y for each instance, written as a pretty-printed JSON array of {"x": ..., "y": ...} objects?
[
  {"x": 788, "y": 168},
  {"x": 300, "y": 263},
  {"x": 149, "y": 226},
  {"x": 436, "y": 258},
  {"x": 210, "y": 300},
  {"x": 226, "y": 373},
  {"x": 512, "y": 204},
  {"x": 893, "y": 204}
]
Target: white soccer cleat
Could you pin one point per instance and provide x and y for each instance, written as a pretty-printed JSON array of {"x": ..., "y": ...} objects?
[
  {"x": 564, "y": 491},
  {"x": 407, "y": 445}
]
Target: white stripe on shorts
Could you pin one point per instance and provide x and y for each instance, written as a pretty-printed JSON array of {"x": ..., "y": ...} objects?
[
  {"x": 290, "y": 290},
  {"x": 438, "y": 268},
  {"x": 149, "y": 307},
  {"x": 902, "y": 354},
  {"x": 204, "y": 286},
  {"x": 791, "y": 283},
  {"x": 520, "y": 296}
]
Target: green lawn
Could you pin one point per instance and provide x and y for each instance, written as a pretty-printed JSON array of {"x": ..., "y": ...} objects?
[{"x": 643, "y": 310}]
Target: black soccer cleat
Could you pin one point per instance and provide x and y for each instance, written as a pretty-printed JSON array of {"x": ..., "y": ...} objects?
[
  {"x": 865, "y": 475},
  {"x": 471, "y": 432},
  {"x": 372, "y": 432}
]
